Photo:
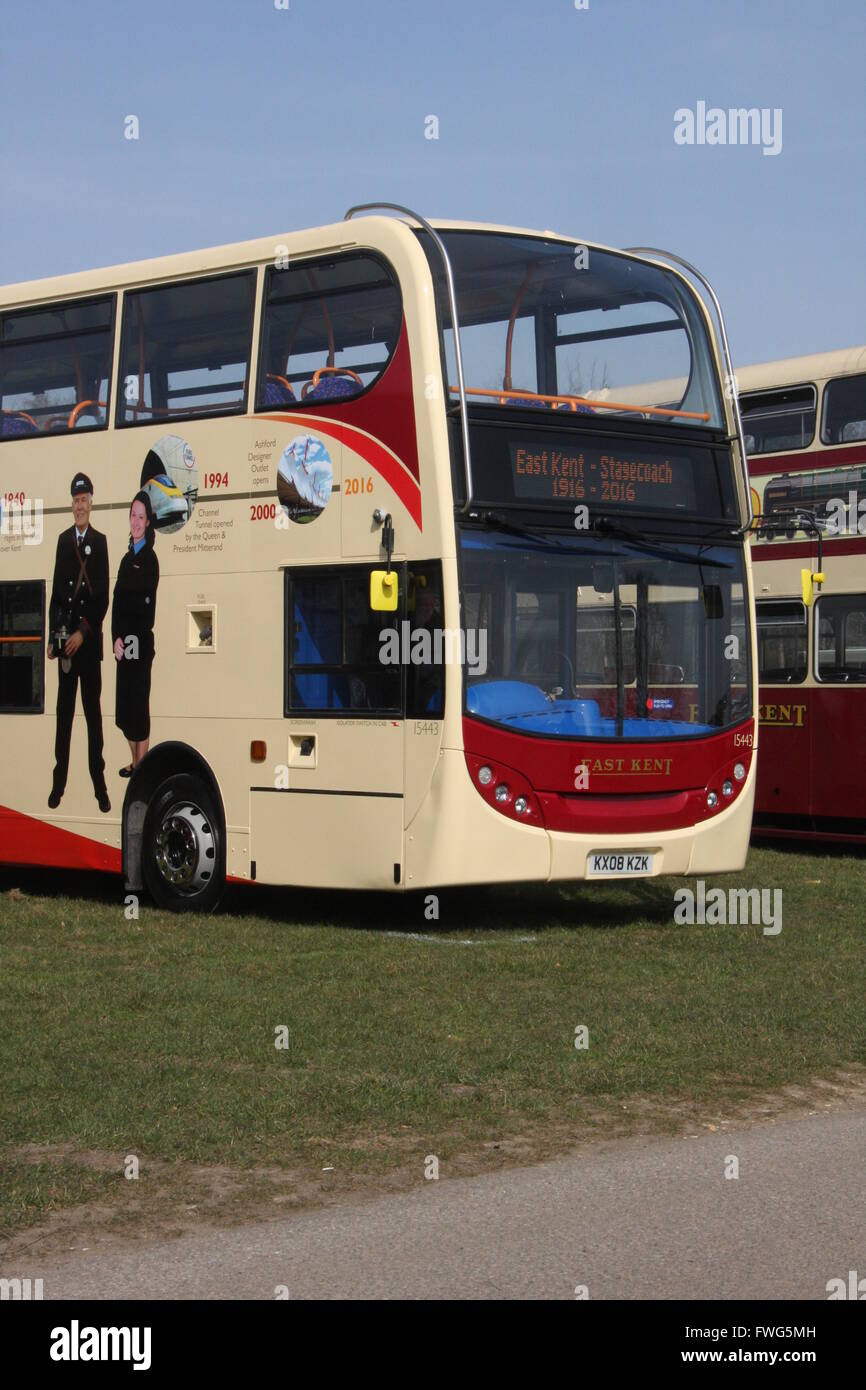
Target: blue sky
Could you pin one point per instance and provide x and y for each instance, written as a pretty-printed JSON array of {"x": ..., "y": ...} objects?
[{"x": 255, "y": 121}]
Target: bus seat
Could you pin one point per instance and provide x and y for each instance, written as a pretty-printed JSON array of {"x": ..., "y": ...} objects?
[
  {"x": 18, "y": 424},
  {"x": 528, "y": 402},
  {"x": 855, "y": 429},
  {"x": 278, "y": 391},
  {"x": 501, "y": 699},
  {"x": 332, "y": 384},
  {"x": 333, "y": 388}
]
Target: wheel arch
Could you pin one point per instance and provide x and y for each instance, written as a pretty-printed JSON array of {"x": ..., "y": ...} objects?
[{"x": 161, "y": 762}]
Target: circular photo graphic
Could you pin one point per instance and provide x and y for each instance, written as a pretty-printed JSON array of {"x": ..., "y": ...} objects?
[
  {"x": 305, "y": 478},
  {"x": 170, "y": 479}
]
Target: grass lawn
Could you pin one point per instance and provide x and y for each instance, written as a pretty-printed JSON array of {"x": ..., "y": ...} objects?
[{"x": 156, "y": 1037}]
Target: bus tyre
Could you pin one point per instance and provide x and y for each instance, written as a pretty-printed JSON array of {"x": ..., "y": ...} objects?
[{"x": 183, "y": 854}]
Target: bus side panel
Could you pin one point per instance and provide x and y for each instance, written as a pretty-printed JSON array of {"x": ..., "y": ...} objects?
[
  {"x": 358, "y": 849},
  {"x": 838, "y": 743},
  {"x": 787, "y": 726}
]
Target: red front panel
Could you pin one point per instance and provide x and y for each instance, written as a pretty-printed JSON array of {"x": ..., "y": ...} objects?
[{"x": 586, "y": 785}]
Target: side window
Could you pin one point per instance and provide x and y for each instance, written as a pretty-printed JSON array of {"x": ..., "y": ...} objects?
[
  {"x": 841, "y": 637},
  {"x": 777, "y": 420},
  {"x": 330, "y": 329},
  {"x": 425, "y": 674},
  {"x": 844, "y": 418},
  {"x": 336, "y": 654},
  {"x": 782, "y": 642},
  {"x": 22, "y": 646},
  {"x": 55, "y": 368},
  {"x": 185, "y": 350}
]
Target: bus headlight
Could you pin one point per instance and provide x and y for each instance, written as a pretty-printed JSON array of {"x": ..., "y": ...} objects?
[
  {"x": 727, "y": 788},
  {"x": 505, "y": 790},
  {"x": 739, "y": 771},
  {"x": 712, "y": 799}
]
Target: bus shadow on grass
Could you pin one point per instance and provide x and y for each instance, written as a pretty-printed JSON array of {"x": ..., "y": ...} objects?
[{"x": 460, "y": 913}]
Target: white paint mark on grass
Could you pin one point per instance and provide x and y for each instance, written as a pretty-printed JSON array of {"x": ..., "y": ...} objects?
[{"x": 456, "y": 941}]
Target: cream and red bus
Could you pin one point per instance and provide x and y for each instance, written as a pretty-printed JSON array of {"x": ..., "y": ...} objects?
[
  {"x": 449, "y": 592},
  {"x": 805, "y": 432},
  {"x": 804, "y": 420}
]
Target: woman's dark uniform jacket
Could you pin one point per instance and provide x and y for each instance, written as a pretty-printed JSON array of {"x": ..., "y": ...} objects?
[{"x": 132, "y": 615}]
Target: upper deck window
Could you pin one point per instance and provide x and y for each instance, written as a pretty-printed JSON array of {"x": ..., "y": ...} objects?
[
  {"x": 186, "y": 349},
  {"x": 844, "y": 419},
  {"x": 551, "y": 325},
  {"x": 330, "y": 329},
  {"x": 55, "y": 368},
  {"x": 776, "y": 421}
]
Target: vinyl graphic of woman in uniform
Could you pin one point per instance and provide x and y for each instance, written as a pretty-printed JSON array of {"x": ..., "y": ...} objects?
[{"x": 132, "y": 617}]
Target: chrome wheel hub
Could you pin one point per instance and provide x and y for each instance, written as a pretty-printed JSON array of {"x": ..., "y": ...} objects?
[{"x": 184, "y": 848}]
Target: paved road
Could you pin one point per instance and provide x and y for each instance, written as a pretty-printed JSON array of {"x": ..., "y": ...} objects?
[{"x": 636, "y": 1219}]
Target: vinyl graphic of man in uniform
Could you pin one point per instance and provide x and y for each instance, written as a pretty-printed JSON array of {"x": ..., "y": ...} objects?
[{"x": 79, "y": 602}]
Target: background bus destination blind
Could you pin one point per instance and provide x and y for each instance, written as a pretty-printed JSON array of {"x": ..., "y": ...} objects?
[{"x": 553, "y": 473}]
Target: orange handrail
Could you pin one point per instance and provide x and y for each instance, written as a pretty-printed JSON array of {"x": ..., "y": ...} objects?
[
  {"x": 82, "y": 405},
  {"x": 509, "y": 337},
  {"x": 20, "y": 415},
  {"x": 574, "y": 401},
  {"x": 20, "y": 639},
  {"x": 283, "y": 380}
]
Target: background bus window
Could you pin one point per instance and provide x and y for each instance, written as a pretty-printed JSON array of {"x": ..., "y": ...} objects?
[
  {"x": 55, "y": 368},
  {"x": 333, "y": 646},
  {"x": 537, "y": 637},
  {"x": 674, "y": 636},
  {"x": 329, "y": 330},
  {"x": 186, "y": 350},
  {"x": 782, "y": 642},
  {"x": 777, "y": 420},
  {"x": 596, "y": 645},
  {"x": 844, "y": 418},
  {"x": 22, "y": 664},
  {"x": 841, "y": 644}
]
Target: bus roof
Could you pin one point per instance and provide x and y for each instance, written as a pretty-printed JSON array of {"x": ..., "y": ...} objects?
[
  {"x": 336, "y": 236},
  {"x": 790, "y": 371}
]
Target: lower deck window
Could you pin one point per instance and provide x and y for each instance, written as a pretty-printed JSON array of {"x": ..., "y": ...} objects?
[
  {"x": 342, "y": 657},
  {"x": 22, "y": 663},
  {"x": 840, "y": 637},
  {"x": 782, "y": 642}
]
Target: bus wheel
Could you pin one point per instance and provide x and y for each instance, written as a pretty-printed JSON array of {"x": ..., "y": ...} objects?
[{"x": 183, "y": 854}]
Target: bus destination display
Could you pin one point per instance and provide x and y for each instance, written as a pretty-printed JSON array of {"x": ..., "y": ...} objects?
[{"x": 601, "y": 475}]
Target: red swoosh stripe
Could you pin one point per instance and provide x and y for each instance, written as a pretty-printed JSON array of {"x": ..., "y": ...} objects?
[{"x": 386, "y": 464}]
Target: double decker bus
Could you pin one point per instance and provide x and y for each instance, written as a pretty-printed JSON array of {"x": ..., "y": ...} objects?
[
  {"x": 804, "y": 420},
  {"x": 449, "y": 591}
]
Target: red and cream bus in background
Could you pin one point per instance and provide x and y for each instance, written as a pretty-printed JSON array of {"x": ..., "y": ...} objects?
[
  {"x": 804, "y": 421},
  {"x": 374, "y": 428}
]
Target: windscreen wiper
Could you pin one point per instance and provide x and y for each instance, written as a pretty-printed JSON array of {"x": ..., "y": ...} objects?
[
  {"x": 510, "y": 528},
  {"x": 603, "y": 526}
]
